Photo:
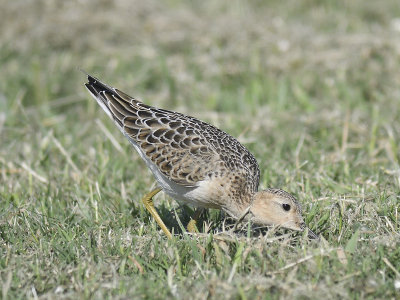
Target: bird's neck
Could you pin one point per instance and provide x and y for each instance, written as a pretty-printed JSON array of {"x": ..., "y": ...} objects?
[{"x": 240, "y": 208}]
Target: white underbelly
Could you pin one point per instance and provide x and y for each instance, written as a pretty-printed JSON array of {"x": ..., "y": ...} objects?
[{"x": 197, "y": 195}]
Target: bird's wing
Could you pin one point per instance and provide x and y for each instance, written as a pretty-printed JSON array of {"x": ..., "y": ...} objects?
[{"x": 172, "y": 141}]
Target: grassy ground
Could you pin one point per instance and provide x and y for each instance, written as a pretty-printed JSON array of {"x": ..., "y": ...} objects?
[{"x": 312, "y": 88}]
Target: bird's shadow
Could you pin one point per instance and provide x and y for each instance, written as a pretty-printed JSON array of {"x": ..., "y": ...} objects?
[
  {"x": 212, "y": 221},
  {"x": 176, "y": 219}
]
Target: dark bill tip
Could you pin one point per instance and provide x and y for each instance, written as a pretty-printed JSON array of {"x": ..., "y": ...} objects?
[{"x": 311, "y": 234}]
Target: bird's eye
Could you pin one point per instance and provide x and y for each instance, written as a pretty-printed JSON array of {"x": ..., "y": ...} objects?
[{"x": 286, "y": 206}]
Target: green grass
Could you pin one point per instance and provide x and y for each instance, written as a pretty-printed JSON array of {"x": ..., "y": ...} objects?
[{"x": 310, "y": 87}]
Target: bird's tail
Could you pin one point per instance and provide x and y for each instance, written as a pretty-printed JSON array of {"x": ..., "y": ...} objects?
[
  {"x": 115, "y": 103},
  {"x": 96, "y": 88}
]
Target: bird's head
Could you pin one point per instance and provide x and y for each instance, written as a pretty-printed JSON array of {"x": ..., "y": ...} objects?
[{"x": 277, "y": 207}]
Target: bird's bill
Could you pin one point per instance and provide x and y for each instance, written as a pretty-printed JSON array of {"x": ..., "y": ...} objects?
[{"x": 311, "y": 234}]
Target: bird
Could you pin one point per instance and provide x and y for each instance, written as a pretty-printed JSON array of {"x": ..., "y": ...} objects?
[{"x": 196, "y": 163}]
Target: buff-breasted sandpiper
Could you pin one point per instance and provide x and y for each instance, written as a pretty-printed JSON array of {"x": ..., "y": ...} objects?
[{"x": 196, "y": 163}]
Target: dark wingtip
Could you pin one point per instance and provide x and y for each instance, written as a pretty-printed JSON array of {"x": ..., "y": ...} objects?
[
  {"x": 90, "y": 78},
  {"x": 95, "y": 86},
  {"x": 93, "y": 79}
]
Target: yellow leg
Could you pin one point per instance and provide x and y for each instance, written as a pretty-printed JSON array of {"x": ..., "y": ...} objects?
[
  {"x": 148, "y": 203},
  {"x": 191, "y": 226}
]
